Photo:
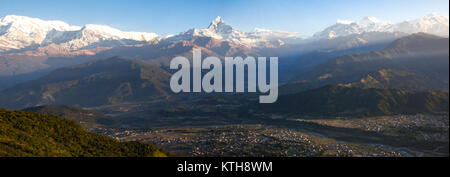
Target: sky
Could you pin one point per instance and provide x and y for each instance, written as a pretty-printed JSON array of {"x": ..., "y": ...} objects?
[{"x": 174, "y": 16}]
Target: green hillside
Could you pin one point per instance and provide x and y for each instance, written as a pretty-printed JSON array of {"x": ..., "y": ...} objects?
[
  {"x": 40, "y": 135},
  {"x": 86, "y": 118},
  {"x": 351, "y": 101}
]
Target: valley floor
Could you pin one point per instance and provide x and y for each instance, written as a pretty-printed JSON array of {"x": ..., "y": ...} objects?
[{"x": 385, "y": 136}]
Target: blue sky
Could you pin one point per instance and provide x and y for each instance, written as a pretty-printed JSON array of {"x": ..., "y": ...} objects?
[{"x": 173, "y": 16}]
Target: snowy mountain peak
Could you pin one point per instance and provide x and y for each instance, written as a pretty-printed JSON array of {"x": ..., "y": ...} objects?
[
  {"x": 433, "y": 24},
  {"x": 16, "y": 18},
  {"x": 434, "y": 18},
  {"x": 23, "y": 21},
  {"x": 219, "y": 26},
  {"x": 217, "y": 21},
  {"x": 113, "y": 33},
  {"x": 273, "y": 35},
  {"x": 369, "y": 19},
  {"x": 218, "y": 29},
  {"x": 99, "y": 28},
  {"x": 345, "y": 22},
  {"x": 366, "y": 21},
  {"x": 17, "y": 32}
]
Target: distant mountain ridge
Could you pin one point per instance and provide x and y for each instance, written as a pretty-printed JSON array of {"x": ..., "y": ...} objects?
[
  {"x": 421, "y": 54},
  {"x": 55, "y": 44},
  {"x": 389, "y": 78},
  {"x": 108, "y": 81},
  {"x": 122, "y": 80},
  {"x": 30, "y": 45},
  {"x": 353, "y": 101}
]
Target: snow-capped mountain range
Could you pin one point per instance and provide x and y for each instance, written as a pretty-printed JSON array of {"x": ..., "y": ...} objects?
[
  {"x": 218, "y": 29},
  {"x": 22, "y": 34},
  {"x": 19, "y": 32},
  {"x": 433, "y": 24}
]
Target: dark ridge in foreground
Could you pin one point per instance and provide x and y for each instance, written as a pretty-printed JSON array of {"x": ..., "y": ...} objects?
[
  {"x": 85, "y": 117},
  {"x": 27, "y": 134}
]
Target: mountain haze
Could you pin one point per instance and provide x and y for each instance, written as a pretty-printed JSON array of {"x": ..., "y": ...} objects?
[
  {"x": 421, "y": 54},
  {"x": 109, "y": 81}
]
